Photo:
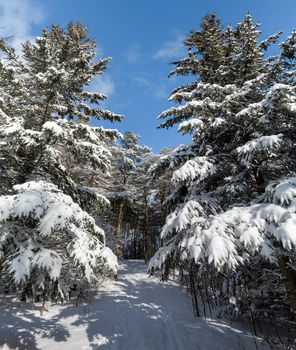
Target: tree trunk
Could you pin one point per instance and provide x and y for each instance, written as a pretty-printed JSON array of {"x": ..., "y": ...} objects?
[
  {"x": 290, "y": 282},
  {"x": 146, "y": 227},
  {"x": 120, "y": 218},
  {"x": 42, "y": 308}
]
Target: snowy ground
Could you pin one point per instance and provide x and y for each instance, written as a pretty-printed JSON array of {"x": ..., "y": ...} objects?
[{"x": 134, "y": 313}]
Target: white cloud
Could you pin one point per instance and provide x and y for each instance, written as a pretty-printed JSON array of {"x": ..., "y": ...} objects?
[
  {"x": 158, "y": 90},
  {"x": 171, "y": 48},
  {"x": 134, "y": 54},
  {"x": 103, "y": 84},
  {"x": 17, "y": 18}
]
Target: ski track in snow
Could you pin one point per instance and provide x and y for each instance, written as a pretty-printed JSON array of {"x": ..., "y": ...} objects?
[{"x": 136, "y": 312}]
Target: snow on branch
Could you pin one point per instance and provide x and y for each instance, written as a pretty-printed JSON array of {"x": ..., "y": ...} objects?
[
  {"x": 45, "y": 212},
  {"x": 259, "y": 144},
  {"x": 189, "y": 126},
  {"x": 229, "y": 238},
  {"x": 181, "y": 218},
  {"x": 195, "y": 169}
]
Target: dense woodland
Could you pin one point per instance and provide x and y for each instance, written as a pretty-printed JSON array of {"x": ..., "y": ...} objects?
[{"x": 218, "y": 214}]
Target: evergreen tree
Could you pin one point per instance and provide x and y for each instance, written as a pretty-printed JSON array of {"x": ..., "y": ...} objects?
[
  {"x": 240, "y": 111},
  {"x": 45, "y": 115}
]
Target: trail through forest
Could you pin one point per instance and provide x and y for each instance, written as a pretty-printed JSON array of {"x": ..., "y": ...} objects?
[{"x": 136, "y": 312}]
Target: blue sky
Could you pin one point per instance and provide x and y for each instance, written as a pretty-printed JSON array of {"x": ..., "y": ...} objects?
[{"x": 142, "y": 37}]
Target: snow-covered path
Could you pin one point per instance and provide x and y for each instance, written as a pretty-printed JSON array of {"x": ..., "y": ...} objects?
[{"x": 134, "y": 313}]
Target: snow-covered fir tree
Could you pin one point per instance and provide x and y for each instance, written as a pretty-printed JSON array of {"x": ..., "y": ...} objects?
[
  {"x": 46, "y": 237},
  {"x": 232, "y": 225}
]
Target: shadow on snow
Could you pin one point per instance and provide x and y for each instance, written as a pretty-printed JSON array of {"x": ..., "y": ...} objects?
[{"x": 135, "y": 312}]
